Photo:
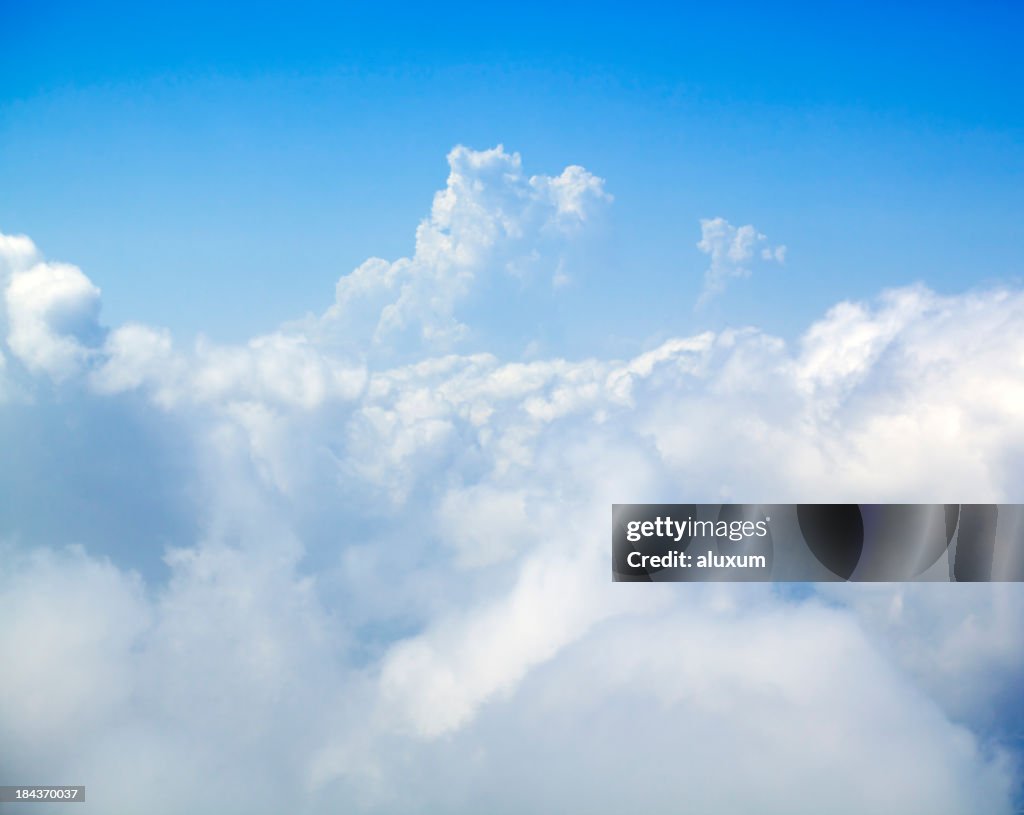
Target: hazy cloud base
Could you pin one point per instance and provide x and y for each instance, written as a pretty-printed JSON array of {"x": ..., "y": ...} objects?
[{"x": 358, "y": 563}]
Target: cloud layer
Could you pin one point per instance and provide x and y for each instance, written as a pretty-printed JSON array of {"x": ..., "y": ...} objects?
[{"x": 385, "y": 580}]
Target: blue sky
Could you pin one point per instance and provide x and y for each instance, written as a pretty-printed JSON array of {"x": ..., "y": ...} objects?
[
  {"x": 313, "y": 400},
  {"x": 191, "y": 159}
]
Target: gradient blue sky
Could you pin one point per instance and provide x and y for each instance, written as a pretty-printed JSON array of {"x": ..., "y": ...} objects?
[{"x": 217, "y": 170}]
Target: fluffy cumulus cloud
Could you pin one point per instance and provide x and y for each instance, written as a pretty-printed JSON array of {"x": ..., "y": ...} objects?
[
  {"x": 51, "y": 309},
  {"x": 383, "y": 579},
  {"x": 731, "y": 251},
  {"x": 491, "y": 219},
  {"x": 17, "y": 252}
]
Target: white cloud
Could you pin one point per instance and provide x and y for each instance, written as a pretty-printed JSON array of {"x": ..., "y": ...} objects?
[
  {"x": 64, "y": 611},
  {"x": 791, "y": 700},
  {"x": 490, "y": 219},
  {"x": 400, "y": 576},
  {"x": 960, "y": 643},
  {"x": 17, "y": 253},
  {"x": 485, "y": 524},
  {"x": 53, "y": 311},
  {"x": 819, "y": 431},
  {"x": 137, "y": 355},
  {"x": 731, "y": 250}
]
